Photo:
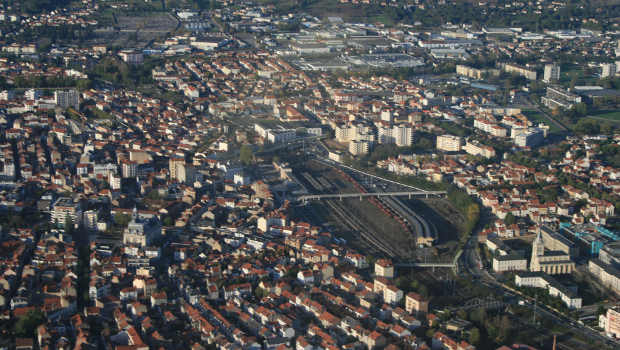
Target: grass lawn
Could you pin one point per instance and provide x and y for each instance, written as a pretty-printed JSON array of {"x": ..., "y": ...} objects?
[{"x": 611, "y": 115}]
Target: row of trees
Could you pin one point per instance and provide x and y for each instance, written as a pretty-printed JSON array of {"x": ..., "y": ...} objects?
[
  {"x": 467, "y": 206},
  {"x": 463, "y": 12},
  {"x": 54, "y": 34},
  {"x": 38, "y": 6},
  {"x": 117, "y": 72}
]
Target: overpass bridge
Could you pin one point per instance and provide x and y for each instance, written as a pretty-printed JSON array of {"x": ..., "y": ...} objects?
[
  {"x": 439, "y": 264},
  {"x": 454, "y": 265},
  {"x": 365, "y": 174},
  {"x": 361, "y": 195},
  {"x": 489, "y": 303}
]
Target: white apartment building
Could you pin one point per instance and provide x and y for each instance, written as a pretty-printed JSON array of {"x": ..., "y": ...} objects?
[
  {"x": 384, "y": 268},
  {"x": 346, "y": 133},
  {"x": 115, "y": 182},
  {"x": 65, "y": 207},
  {"x": 490, "y": 127},
  {"x": 359, "y": 147},
  {"x": 131, "y": 57},
  {"x": 610, "y": 322},
  {"x": 505, "y": 263},
  {"x": 552, "y": 73},
  {"x": 65, "y": 99},
  {"x": 392, "y": 295},
  {"x": 477, "y": 149},
  {"x": 608, "y": 70},
  {"x": 400, "y": 135},
  {"x": 449, "y": 143},
  {"x": 280, "y": 135},
  {"x": 541, "y": 280}
]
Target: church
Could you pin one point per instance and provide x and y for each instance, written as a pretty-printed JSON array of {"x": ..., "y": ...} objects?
[
  {"x": 552, "y": 262},
  {"x": 140, "y": 231}
]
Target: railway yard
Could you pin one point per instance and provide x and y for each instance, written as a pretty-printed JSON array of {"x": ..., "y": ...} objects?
[{"x": 384, "y": 226}]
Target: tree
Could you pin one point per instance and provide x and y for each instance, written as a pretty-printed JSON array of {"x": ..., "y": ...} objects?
[
  {"x": 581, "y": 109},
  {"x": 423, "y": 290},
  {"x": 122, "y": 219},
  {"x": 246, "y": 154},
  {"x": 168, "y": 221},
  {"x": 504, "y": 329},
  {"x": 478, "y": 315},
  {"x": 510, "y": 219},
  {"x": 474, "y": 336},
  {"x": 587, "y": 126},
  {"x": 260, "y": 293},
  {"x": 69, "y": 225},
  {"x": 26, "y": 324},
  {"x": 83, "y": 84}
]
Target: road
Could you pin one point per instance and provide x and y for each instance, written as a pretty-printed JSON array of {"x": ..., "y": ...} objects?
[
  {"x": 603, "y": 119},
  {"x": 471, "y": 264}
]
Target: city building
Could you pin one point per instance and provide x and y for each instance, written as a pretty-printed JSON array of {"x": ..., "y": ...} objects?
[
  {"x": 359, "y": 147},
  {"x": 449, "y": 143},
  {"x": 490, "y": 127},
  {"x": 477, "y": 149},
  {"x": 384, "y": 268},
  {"x": 66, "y": 99},
  {"x": 280, "y": 135},
  {"x": 129, "y": 169},
  {"x": 510, "y": 262},
  {"x": 610, "y": 322},
  {"x": 608, "y": 275},
  {"x": 336, "y": 156},
  {"x": 608, "y": 70},
  {"x": 140, "y": 231},
  {"x": 552, "y": 73},
  {"x": 557, "y": 97},
  {"x": 64, "y": 208},
  {"x": 555, "y": 288},
  {"x": 469, "y": 71},
  {"x": 400, "y": 135},
  {"x": 552, "y": 262},
  {"x": 415, "y": 303},
  {"x": 610, "y": 254},
  {"x": 555, "y": 241},
  {"x": 392, "y": 295},
  {"x": 522, "y": 71},
  {"x": 176, "y": 168},
  {"x": 115, "y": 181},
  {"x": 90, "y": 219},
  {"x": 131, "y": 57},
  {"x": 528, "y": 137}
]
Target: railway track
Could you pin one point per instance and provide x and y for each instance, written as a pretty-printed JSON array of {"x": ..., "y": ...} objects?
[
  {"x": 348, "y": 219},
  {"x": 417, "y": 223},
  {"x": 346, "y": 216}
]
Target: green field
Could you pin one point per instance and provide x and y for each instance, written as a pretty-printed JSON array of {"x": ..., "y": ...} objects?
[
  {"x": 537, "y": 117},
  {"x": 609, "y": 115}
]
